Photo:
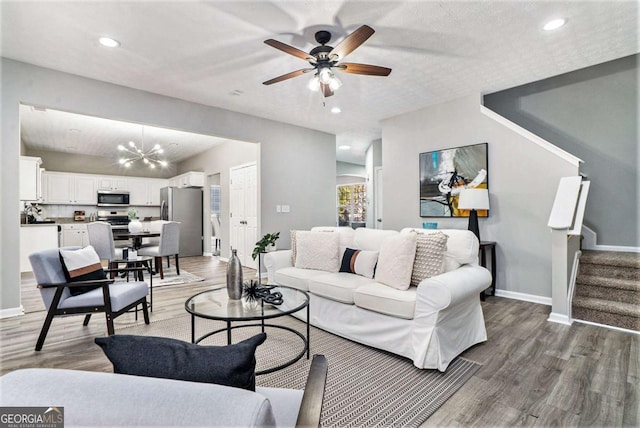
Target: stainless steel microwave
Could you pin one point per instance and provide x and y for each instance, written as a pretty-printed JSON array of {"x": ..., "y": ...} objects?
[{"x": 113, "y": 198}]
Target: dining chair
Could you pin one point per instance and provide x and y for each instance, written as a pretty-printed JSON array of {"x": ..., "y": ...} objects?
[
  {"x": 63, "y": 296},
  {"x": 215, "y": 234},
  {"x": 101, "y": 239},
  {"x": 169, "y": 245},
  {"x": 154, "y": 226}
]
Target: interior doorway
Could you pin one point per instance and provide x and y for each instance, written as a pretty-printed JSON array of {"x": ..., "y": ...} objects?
[
  {"x": 243, "y": 213},
  {"x": 215, "y": 209}
]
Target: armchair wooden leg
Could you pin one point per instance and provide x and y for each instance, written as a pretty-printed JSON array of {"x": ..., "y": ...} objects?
[
  {"x": 86, "y": 320},
  {"x": 177, "y": 265},
  {"x": 145, "y": 311},
  {"x": 47, "y": 321}
]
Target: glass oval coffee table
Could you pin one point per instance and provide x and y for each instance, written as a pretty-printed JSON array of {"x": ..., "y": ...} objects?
[{"x": 215, "y": 305}]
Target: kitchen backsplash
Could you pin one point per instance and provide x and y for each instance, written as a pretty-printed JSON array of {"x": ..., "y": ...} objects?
[{"x": 56, "y": 211}]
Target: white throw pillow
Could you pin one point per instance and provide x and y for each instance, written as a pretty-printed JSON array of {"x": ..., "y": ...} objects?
[
  {"x": 395, "y": 262},
  {"x": 429, "y": 261},
  {"x": 317, "y": 250}
]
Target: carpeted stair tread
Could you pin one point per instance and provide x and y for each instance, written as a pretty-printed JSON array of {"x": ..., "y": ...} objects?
[
  {"x": 600, "y": 281},
  {"x": 609, "y": 271},
  {"x": 627, "y": 309},
  {"x": 611, "y": 258}
]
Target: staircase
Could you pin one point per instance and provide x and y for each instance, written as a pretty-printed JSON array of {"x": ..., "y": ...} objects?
[{"x": 608, "y": 289}]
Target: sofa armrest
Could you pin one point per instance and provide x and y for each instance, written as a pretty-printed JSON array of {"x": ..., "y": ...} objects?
[
  {"x": 275, "y": 260},
  {"x": 451, "y": 288}
]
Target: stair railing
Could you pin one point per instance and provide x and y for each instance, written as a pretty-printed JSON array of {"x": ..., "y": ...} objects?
[{"x": 565, "y": 221}]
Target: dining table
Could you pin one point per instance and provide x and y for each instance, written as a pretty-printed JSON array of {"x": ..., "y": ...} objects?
[{"x": 136, "y": 237}]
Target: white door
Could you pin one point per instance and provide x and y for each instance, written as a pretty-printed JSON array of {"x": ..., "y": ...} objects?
[
  {"x": 243, "y": 212},
  {"x": 378, "y": 195}
]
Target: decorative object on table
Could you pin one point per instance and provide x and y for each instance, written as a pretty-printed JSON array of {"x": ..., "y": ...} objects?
[
  {"x": 34, "y": 212},
  {"x": 474, "y": 200},
  {"x": 234, "y": 276},
  {"x": 445, "y": 173},
  {"x": 134, "y": 224},
  {"x": 267, "y": 243},
  {"x": 253, "y": 291},
  {"x": 429, "y": 225}
]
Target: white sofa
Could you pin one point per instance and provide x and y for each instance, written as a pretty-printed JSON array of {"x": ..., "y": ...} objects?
[{"x": 430, "y": 324}]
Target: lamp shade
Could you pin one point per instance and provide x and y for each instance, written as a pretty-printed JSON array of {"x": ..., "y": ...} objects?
[{"x": 474, "y": 199}]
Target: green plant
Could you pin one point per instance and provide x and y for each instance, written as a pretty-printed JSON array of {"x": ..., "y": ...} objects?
[
  {"x": 261, "y": 245},
  {"x": 133, "y": 214}
]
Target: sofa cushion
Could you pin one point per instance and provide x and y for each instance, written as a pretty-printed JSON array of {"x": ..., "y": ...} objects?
[
  {"x": 81, "y": 265},
  {"x": 370, "y": 239},
  {"x": 360, "y": 262},
  {"x": 395, "y": 261},
  {"x": 317, "y": 250},
  {"x": 162, "y": 357},
  {"x": 386, "y": 300},
  {"x": 337, "y": 286},
  {"x": 462, "y": 247},
  {"x": 345, "y": 233},
  {"x": 429, "y": 261},
  {"x": 296, "y": 278}
]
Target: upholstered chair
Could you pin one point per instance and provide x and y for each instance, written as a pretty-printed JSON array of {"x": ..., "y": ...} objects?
[
  {"x": 112, "y": 298},
  {"x": 168, "y": 246},
  {"x": 101, "y": 239}
]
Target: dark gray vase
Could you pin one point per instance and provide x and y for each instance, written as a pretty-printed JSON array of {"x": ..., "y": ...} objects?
[{"x": 234, "y": 276}]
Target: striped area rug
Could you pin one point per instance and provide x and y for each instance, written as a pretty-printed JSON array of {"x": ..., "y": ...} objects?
[{"x": 365, "y": 386}]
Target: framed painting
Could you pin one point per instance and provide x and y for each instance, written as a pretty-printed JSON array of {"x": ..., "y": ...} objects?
[{"x": 444, "y": 173}]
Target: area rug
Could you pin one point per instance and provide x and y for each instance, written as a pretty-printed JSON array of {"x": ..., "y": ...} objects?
[
  {"x": 365, "y": 386},
  {"x": 172, "y": 278}
]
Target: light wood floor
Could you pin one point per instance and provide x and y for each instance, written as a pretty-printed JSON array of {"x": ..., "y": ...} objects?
[{"x": 534, "y": 373}]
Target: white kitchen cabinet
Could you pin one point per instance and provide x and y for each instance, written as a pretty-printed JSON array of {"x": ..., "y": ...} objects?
[
  {"x": 145, "y": 191},
  {"x": 112, "y": 182},
  {"x": 36, "y": 238},
  {"x": 30, "y": 179},
  {"x": 188, "y": 179},
  {"x": 74, "y": 235},
  {"x": 66, "y": 188}
]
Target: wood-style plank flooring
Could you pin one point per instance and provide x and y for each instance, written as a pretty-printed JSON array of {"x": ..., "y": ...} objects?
[{"x": 534, "y": 373}]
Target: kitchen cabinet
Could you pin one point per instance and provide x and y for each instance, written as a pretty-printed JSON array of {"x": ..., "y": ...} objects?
[
  {"x": 74, "y": 235},
  {"x": 112, "y": 183},
  {"x": 36, "y": 237},
  {"x": 66, "y": 188},
  {"x": 188, "y": 179},
  {"x": 145, "y": 191},
  {"x": 30, "y": 179}
]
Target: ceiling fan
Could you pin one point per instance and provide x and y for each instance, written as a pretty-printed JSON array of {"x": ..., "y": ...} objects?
[{"x": 324, "y": 59}]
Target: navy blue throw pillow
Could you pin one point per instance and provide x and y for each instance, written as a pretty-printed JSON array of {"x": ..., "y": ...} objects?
[{"x": 232, "y": 365}]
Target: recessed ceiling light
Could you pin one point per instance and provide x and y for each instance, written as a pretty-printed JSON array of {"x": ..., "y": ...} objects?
[
  {"x": 336, "y": 110},
  {"x": 236, "y": 92},
  {"x": 554, "y": 24},
  {"x": 344, "y": 147},
  {"x": 73, "y": 130},
  {"x": 109, "y": 42}
]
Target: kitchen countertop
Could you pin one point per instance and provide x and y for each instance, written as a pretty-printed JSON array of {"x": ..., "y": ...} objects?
[{"x": 66, "y": 220}]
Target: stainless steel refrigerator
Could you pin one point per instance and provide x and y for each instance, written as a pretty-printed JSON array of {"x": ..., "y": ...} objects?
[{"x": 184, "y": 205}]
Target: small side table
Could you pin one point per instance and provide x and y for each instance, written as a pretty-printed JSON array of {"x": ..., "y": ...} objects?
[{"x": 484, "y": 246}]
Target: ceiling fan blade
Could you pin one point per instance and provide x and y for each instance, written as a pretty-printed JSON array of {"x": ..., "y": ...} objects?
[
  {"x": 351, "y": 42},
  {"x": 288, "y": 76},
  {"x": 326, "y": 90},
  {"x": 369, "y": 70},
  {"x": 290, "y": 50}
]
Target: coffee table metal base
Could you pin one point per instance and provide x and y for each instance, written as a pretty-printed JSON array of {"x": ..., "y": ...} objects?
[{"x": 229, "y": 327}]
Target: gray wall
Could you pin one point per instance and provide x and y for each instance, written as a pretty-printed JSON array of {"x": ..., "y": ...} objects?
[
  {"x": 593, "y": 114},
  {"x": 297, "y": 165},
  {"x": 347, "y": 168},
  {"x": 523, "y": 178},
  {"x": 74, "y": 162},
  {"x": 218, "y": 161},
  {"x": 373, "y": 160}
]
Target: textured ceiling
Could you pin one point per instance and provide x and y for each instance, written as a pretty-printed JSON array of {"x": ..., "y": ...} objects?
[{"x": 213, "y": 52}]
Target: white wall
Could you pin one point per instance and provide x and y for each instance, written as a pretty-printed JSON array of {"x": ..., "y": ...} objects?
[
  {"x": 522, "y": 182},
  {"x": 298, "y": 165}
]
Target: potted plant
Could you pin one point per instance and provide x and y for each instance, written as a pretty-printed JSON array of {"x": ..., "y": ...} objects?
[
  {"x": 267, "y": 243},
  {"x": 134, "y": 224}
]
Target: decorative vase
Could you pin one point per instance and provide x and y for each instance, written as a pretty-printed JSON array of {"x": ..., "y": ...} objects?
[
  {"x": 135, "y": 226},
  {"x": 234, "y": 276}
]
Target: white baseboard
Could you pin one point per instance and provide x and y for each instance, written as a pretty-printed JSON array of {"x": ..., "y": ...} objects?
[
  {"x": 12, "y": 312},
  {"x": 608, "y": 326},
  {"x": 590, "y": 238},
  {"x": 524, "y": 297},
  {"x": 619, "y": 248},
  {"x": 207, "y": 254},
  {"x": 559, "y": 318}
]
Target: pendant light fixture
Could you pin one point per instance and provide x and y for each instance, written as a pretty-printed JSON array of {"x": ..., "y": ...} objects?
[{"x": 132, "y": 153}]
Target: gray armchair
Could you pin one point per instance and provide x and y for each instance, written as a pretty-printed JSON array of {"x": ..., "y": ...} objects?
[
  {"x": 168, "y": 246},
  {"x": 114, "y": 299}
]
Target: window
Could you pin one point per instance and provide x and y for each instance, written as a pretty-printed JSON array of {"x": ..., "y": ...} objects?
[
  {"x": 352, "y": 204},
  {"x": 215, "y": 199}
]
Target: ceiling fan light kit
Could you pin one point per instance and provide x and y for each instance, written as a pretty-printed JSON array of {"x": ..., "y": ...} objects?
[{"x": 324, "y": 59}]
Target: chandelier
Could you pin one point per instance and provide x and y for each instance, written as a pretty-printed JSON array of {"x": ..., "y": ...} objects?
[{"x": 133, "y": 153}]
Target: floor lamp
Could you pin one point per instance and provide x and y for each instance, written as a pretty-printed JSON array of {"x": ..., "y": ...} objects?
[{"x": 474, "y": 199}]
